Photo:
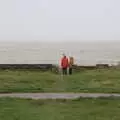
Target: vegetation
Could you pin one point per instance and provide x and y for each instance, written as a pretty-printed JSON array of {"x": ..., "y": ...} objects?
[
  {"x": 81, "y": 109},
  {"x": 104, "y": 80}
]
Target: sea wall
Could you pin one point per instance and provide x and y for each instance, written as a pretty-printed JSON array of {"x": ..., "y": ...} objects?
[
  {"x": 27, "y": 66},
  {"x": 50, "y": 67}
]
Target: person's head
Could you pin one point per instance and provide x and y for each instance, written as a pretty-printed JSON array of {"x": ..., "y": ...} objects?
[{"x": 64, "y": 55}]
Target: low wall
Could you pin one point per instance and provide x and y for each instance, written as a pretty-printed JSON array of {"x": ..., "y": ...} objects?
[
  {"x": 49, "y": 67},
  {"x": 97, "y": 66},
  {"x": 27, "y": 66}
]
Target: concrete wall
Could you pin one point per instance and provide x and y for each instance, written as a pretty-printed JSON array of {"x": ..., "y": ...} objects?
[{"x": 26, "y": 66}]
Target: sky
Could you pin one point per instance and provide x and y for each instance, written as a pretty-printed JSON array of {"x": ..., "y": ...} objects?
[{"x": 59, "y": 20}]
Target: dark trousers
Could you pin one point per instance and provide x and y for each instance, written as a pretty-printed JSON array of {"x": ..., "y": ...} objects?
[
  {"x": 64, "y": 71},
  {"x": 70, "y": 71}
]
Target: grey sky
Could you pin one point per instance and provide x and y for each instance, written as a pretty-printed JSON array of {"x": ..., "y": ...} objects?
[{"x": 59, "y": 20}]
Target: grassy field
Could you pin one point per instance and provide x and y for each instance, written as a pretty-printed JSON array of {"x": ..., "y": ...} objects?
[
  {"x": 84, "y": 81},
  {"x": 81, "y": 109}
]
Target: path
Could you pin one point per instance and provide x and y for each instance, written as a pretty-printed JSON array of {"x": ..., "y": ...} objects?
[{"x": 58, "y": 95}]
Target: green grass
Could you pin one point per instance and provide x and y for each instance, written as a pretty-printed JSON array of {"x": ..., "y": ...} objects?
[
  {"x": 82, "y": 109},
  {"x": 107, "y": 81}
]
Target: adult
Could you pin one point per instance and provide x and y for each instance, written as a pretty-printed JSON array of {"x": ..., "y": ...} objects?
[
  {"x": 71, "y": 63},
  {"x": 64, "y": 64}
]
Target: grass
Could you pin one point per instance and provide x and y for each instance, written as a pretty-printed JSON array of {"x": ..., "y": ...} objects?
[
  {"x": 107, "y": 81},
  {"x": 81, "y": 109}
]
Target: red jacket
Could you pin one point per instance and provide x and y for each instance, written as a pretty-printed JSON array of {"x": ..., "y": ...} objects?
[{"x": 64, "y": 62}]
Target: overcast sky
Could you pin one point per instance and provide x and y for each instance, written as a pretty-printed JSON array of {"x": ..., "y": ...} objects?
[{"x": 59, "y": 20}]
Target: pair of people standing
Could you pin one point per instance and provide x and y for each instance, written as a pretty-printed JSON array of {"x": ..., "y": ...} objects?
[{"x": 67, "y": 63}]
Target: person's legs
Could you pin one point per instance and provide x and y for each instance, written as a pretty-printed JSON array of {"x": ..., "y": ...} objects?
[
  {"x": 65, "y": 71},
  {"x": 70, "y": 71}
]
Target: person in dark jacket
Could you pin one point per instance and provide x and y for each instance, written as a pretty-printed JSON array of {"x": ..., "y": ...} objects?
[{"x": 64, "y": 64}]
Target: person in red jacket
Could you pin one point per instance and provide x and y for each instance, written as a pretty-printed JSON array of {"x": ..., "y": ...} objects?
[{"x": 64, "y": 64}]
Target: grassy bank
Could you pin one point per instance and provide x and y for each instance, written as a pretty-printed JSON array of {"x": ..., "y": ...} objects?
[
  {"x": 83, "y": 109},
  {"x": 84, "y": 81}
]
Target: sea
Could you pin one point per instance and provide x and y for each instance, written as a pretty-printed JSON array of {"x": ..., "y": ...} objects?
[{"x": 84, "y": 53}]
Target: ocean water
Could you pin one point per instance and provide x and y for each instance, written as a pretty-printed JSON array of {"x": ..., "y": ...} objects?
[{"x": 85, "y": 53}]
